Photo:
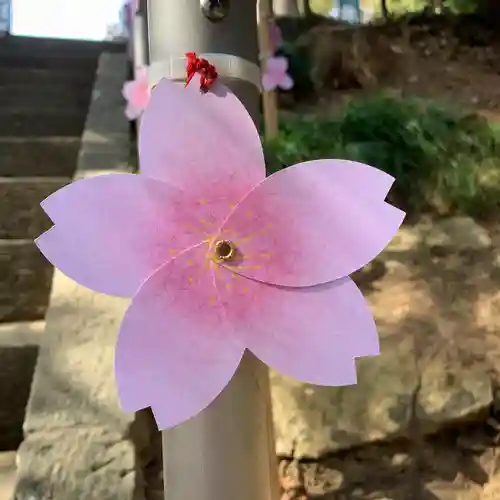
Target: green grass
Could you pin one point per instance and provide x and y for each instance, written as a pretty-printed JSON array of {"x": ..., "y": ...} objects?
[{"x": 443, "y": 162}]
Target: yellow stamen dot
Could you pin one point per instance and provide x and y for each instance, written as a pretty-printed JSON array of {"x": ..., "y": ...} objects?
[
  {"x": 228, "y": 286},
  {"x": 190, "y": 280},
  {"x": 224, "y": 250},
  {"x": 190, "y": 262},
  {"x": 172, "y": 252}
]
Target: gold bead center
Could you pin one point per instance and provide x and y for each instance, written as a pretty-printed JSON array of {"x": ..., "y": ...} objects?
[{"x": 224, "y": 250}]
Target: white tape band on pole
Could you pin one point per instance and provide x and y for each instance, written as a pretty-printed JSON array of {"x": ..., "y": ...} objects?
[{"x": 227, "y": 66}]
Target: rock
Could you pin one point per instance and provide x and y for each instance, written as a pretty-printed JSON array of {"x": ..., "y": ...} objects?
[
  {"x": 459, "y": 233},
  {"x": 312, "y": 421},
  {"x": 350, "y": 57},
  {"x": 76, "y": 464},
  {"x": 18, "y": 355},
  {"x": 438, "y": 319},
  {"x": 25, "y": 280},
  {"x": 21, "y": 215}
]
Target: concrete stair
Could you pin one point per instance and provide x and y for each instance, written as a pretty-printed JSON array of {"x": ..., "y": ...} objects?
[{"x": 45, "y": 91}]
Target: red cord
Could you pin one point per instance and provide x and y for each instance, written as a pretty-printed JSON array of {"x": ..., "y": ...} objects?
[{"x": 196, "y": 65}]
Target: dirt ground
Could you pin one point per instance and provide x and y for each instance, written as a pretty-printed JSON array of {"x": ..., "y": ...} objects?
[{"x": 459, "y": 464}]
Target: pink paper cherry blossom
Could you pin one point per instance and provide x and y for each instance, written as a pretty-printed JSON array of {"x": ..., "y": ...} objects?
[
  {"x": 136, "y": 93},
  {"x": 218, "y": 258},
  {"x": 275, "y": 36},
  {"x": 276, "y": 75}
]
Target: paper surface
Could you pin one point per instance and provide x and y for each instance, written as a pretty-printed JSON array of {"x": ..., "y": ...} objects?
[
  {"x": 283, "y": 292},
  {"x": 136, "y": 93},
  {"x": 275, "y": 75}
]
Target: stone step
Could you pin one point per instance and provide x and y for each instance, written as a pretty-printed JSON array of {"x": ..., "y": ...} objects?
[
  {"x": 21, "y": 216},
  {"x": 7, "y": 474},
  {"x": 25, "y": 282},
  {"x": 40, "y": 97},
  {"x": 45, "y": 77},
  {"x": 42, "y": 61},
  {"x": 38, "y": 156},
  {"x": 18, "y": 355},
  {"x": 54, "y": 122},
  {"x": 27, "y": 43}
]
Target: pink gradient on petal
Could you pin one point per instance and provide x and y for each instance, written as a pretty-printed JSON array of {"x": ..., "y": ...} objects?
[
  {"x": 132, "y": 113},
  {"x": 175, "y": 350},
  {"x": 275, "y": 36},
  {"x": 277, "y": 65},
  {"x": 128, "y": 90},
  {"x": 115, "y": 230},
  {"x": 286, "y": 82},
  {"x": 300, "y": 227},
  {"x": 137, "y": 94},
  {"x": 310, "y": 333},
  {"x": 211, "y": 150},
  {"x": 269, "y": 83},
  {"x": 276, "y": 74}
]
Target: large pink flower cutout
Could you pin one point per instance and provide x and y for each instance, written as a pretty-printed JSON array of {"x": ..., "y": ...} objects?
[
  {"x": 276, "y": 75},
  {"x": 136, "y": 93},
  {"x": 219, "y": 259}
]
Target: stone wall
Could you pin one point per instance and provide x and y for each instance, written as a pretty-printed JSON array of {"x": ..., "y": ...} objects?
[{"x": 435, "y": 293}]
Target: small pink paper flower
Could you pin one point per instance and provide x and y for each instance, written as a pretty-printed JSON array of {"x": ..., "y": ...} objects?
[
  {"x": 218, "y": 258},
  {"x": 275, "y": 36},
  {"x": 136, "y": 93},
  {"x": 276, "y": 74}
]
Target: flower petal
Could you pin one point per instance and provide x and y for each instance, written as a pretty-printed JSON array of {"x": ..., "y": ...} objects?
[
  {"x": 277, "y": 65},
  {"x": 301, "y": 227},
  {"x": 211, "y": 149},
  {"x": 268, "y": 82},
  {"x": 286, "y": 82},
  {"x": 310, "y": 333},
  {"x": 175, "y": 350},
  {"x": 132, "y": 113},
  {"x": 115, "y": 230},
  {"x": 128, "y": 89},
  {"x": 141, "y": 98}
]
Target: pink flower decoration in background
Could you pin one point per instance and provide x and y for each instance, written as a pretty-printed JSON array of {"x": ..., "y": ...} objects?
[
  {"x": 276, "y": 75},
  {"x": 218, "y": 258},
  {"x": 275, "y": 36},
  {"x": 136, "y": 93}
]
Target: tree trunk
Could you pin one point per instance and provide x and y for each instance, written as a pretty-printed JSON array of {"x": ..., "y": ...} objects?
[
  {"x": 288, "y": 8},
  {"x": 306, "y": 8},
  {"x": 385, "y": 10},
  {"x": 437, "y": 6}
]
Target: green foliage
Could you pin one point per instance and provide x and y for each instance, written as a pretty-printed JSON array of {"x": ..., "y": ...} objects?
[{"x": 443, "y": 162}]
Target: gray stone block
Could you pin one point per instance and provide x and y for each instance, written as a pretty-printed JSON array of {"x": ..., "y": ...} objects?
[
  {"x": 74, "y": 384},
  {"x": 21, "y": 216},
  {"x": 77, "y": 464},
  {"x": 26, "y": 123},
  {"x": 25, "y": 281},
  {"x": 38, "y": 157},
  {"x": 18, "y": 365}
]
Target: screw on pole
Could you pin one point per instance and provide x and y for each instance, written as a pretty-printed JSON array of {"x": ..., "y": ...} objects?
[{"x": 227, "y": 451}]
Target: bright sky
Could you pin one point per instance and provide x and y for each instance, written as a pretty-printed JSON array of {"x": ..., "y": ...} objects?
[{"x": 85, "y": 19}]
